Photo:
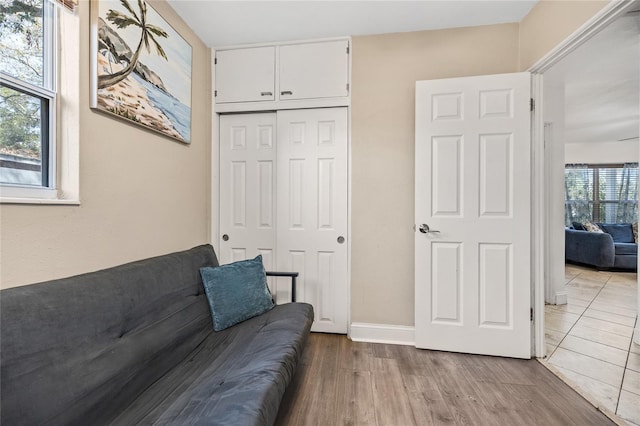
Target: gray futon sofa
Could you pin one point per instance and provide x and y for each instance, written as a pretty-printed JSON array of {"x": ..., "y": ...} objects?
[{"x": 135, "y": 345}]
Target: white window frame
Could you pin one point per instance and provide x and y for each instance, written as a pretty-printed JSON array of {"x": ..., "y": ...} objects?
[{"x": 63, "y": 137}]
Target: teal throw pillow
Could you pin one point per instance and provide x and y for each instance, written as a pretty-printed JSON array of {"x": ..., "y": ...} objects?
[{"x": 236, "y": 292}]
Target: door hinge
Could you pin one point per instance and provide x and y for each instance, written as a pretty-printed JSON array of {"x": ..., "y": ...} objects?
[
  {"x": 215, "y": 93},
  {"x": 532, "y": 104},
  {"x": 347, "y": 49},
  {"x": 347, "y": 87},
  {"x": 531, "y": 313},
  {"x": 215, "y": 60}
]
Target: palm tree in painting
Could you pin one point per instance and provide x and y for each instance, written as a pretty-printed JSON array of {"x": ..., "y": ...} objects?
[{"x": 147, "y": 36}]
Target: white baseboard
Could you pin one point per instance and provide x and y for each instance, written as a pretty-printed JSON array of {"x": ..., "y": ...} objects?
[
  {"x": 561, "y": 298},
  {"x": 383, "y": 333}
]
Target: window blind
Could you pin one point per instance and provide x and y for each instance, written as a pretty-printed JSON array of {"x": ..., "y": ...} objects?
[{"x": 601, "y": 193}]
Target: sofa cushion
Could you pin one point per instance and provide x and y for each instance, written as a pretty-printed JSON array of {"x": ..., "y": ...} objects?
[
  {"x": 235, "y": 377},
  {"x": 621, "y": 232},
  {"x": 626, "y": 249},
  {"x": 236, "y": 292},
  {"x": 78, "y": 350}
]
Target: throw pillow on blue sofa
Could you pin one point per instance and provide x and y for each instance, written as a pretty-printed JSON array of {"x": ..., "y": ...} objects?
[
  {"x": 578, "y": 226},
  {"x": 236, "y": 292}
]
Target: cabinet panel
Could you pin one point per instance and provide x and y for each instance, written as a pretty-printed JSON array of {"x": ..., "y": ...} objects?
[
  {"x": 314, "y": 70},
  {"x": 245, "y": 75}
]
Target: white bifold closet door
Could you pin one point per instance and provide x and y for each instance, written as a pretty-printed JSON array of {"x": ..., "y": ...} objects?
[
  {"x": 283, "y": 194},
  {"x": 247, "y": 188},
  {"x": 312, "y": 210}
]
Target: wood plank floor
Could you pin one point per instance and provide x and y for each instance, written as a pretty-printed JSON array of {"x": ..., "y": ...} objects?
[{"x": 340, "y": 382}]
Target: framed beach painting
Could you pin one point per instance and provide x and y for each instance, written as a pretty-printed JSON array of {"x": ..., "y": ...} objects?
[{"x": 141, "y": 67}]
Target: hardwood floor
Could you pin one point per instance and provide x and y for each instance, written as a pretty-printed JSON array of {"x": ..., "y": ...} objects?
[{"x": 340, "y": 382}]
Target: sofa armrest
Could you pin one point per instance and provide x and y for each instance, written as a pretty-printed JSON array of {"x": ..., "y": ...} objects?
[
  {"x": 591, "y": 248},
  {"x": 292, "y": 275}
]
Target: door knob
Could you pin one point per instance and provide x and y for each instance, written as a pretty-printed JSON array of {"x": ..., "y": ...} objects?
[
  {"x": 225, "y": 237},
  {"x": 424, "y": 228}
]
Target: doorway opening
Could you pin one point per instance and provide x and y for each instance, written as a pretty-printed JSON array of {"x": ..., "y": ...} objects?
[{"x": 592, "y": 118}]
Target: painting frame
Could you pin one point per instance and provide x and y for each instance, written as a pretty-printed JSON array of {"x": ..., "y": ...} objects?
[{"x": 150, "y": 86}]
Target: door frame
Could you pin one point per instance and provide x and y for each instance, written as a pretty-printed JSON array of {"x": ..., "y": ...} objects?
[{"x": 541, "y": 239}]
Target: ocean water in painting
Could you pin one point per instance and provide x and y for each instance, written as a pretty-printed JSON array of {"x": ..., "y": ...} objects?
[{"x": 178, "y": 113}]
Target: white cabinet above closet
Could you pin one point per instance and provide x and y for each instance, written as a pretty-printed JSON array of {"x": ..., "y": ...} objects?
[
  {"x": 314, "y": 70},
  {"x": 245, "y": 75},
  {"x": 282, "y": 76}
]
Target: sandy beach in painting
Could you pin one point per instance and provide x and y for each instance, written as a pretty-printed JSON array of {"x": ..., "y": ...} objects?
[{"x": 129, "y": 99}]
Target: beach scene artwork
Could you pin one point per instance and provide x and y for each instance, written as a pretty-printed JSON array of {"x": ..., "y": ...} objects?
[{"x": 142, "y": 68}]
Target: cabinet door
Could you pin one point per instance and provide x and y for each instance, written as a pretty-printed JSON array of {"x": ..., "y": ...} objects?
[
  {"x": 245, "y": 75},
  {"x": 314, "y": 70}
]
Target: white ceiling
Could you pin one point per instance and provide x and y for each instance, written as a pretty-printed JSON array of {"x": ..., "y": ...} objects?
[
  {"x": 601, "y": 80},
  {"x": 225, "y": 23}
]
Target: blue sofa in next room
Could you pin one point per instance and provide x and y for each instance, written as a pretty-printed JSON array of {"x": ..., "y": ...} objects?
[{"x": 615, "y": 248}]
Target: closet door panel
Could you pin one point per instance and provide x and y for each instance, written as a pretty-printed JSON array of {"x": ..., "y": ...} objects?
[
  {"x": 248, "y": 188},
  {"x": 312, "y": 211}
]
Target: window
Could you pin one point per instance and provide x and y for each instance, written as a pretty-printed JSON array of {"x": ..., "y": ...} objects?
[
  {"x": 601, "y": 193},
  {"x": 27, "y": 94}
]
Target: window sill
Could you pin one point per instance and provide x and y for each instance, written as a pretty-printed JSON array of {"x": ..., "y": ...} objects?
[
  {"x": 39, "y": 201},
  {"x": 10, "y": 194}
]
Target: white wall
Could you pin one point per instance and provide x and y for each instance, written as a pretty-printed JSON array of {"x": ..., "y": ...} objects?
[
  {"x": 554, "y": 116},
  {"x": 602, "y": 153}
]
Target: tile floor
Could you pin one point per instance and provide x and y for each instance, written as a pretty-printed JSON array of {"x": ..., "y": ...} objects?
[{"x": 589, "y": 339}]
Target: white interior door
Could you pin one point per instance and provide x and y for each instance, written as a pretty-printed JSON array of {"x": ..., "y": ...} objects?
[
  {"x": 473, "y": 185},
  {"x": 312, "y": 211},
  {"x": 248, "y": 188}
]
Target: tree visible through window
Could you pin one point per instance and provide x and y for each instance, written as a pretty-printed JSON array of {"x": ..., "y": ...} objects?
[
  {"x": 26, "y": 91},
  {"x": 601, "y": 193}
]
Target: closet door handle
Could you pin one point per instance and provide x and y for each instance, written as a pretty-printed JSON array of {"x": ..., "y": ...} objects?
[
  {"x": 286, "y": 92},
  {"x": 266, "y": 93}
]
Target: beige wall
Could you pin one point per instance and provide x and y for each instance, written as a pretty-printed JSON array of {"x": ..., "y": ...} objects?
[
  {"x": 142, "y": 194},
  {"x": 385, "y": 69},
  {"x": 549, "y": 23}
]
